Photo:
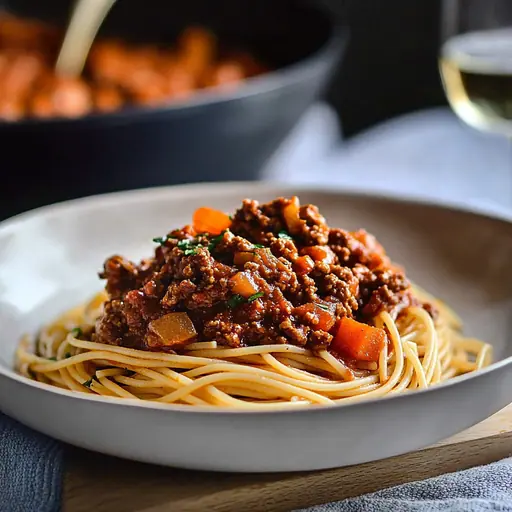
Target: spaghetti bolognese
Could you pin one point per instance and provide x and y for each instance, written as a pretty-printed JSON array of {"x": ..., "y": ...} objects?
[{"x": 269, "y": 308}]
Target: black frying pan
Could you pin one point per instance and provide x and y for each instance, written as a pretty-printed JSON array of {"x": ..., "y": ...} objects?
[{"x": 214, "y": 136}]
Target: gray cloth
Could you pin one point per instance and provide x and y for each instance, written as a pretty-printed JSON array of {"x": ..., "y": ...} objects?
[
  {"x": 479, "y": 489},
  {"x": 30, "y": 469}
]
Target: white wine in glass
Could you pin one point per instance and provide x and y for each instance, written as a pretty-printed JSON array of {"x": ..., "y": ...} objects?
[{"x": 476, "y": 64}]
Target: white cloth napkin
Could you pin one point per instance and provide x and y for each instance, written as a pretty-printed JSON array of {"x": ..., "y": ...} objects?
[{"x": 429, "y": 154}]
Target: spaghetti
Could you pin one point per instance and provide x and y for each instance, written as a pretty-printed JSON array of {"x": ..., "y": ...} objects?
[
  {"x": 245, "y": 317},
  {"x": 422, "y": 353}
]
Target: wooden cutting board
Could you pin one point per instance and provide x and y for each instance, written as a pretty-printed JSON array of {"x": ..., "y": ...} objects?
[{"x": 106, "y": 484}]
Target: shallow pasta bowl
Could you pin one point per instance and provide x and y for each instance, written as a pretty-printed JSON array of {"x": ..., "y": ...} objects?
[{"x": 48, "y": 262}]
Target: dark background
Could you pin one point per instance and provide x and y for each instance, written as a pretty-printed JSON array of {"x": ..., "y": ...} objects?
[{"x": 391, "y": 64}]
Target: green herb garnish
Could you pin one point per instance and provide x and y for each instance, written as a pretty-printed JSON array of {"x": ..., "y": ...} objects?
[
  {"x": 256, "y": 296},
  {"x": 235, "y": 301},
  {"x": 257, "y": 246},
  {"x": 76, "y": 332},
  {"x": 323, "y": 306},
  {"x": 88, "y": 383},
  {"x": 189, "y": 247},
  {"x": 160, "y": 240},
  {"x": 68, "y": 355},
  {"x": 216, "y": 240},
  {"x": 284, "y": 235},
  {"x": 52, "y": 359},
  {"x": 182, "y": 244}
]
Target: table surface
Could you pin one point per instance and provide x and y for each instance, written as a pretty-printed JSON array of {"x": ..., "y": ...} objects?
[{"x": 105, "y": 484}]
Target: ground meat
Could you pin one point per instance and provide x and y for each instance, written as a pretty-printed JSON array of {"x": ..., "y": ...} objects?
[
  {"x": 121, "y": 276},
  {"x": 279, "y": 274}
]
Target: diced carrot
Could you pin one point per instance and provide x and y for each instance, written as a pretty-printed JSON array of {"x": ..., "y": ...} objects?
[
  {"x": 319, "y": 253},
  {"x": 322, "y": 319},
  {"x": 208, "y": 220},
  {"x": 291, "y": 215},
  {"x": 303, "y": 265},
  {"x": 359, "y": 341},
  {"x": 242, "y": 284}
]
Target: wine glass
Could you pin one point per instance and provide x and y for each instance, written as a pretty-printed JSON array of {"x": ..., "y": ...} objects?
[{"x": 476, "y": 62}]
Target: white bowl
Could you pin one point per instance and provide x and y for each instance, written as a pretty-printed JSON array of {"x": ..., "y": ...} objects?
[{"x": 48, "y": 262}]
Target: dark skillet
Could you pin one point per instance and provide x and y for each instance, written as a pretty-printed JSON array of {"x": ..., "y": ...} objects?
[{"x": 214, "y": 136}]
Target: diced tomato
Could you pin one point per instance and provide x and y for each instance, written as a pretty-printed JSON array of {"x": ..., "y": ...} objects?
[
  {"x": 304, "y": 265},
  {"x": 208, "y": 220},
  {"x": 359, "y": 341}
]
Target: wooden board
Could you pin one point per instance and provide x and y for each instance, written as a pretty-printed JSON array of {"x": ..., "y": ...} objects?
[{"x": 106, "y": 484}]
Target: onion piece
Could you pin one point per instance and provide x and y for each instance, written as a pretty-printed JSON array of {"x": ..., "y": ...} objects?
[
  {"x": 291, "y": 215},
  {"x": 170, "y": 330},
  {"x": 243, "y": 284},
  {"x": 241, "y": 258}
]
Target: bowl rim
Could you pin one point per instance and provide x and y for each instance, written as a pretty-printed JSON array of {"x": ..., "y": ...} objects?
[
  {"x": 218, "y": 189},
  {"x": 267, "y": 82}
]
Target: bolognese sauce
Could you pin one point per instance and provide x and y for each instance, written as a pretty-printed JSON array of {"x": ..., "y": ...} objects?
[
  {"x": 273, "y": 273},
  {"x": 117, "y": 74}
]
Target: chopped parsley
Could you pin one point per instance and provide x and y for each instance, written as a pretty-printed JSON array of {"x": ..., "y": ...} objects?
[
  {"x": 183, "y": 244},
  {"x": 323, "y": 306},
  {"x": 256, "y": 296},
  {"x": 284, "y": 235},
  {"x": 52, "y": 359},
  {"x": 162, "y": 240},
  {"x": 68, "y": 355},
  {"x": 189, "y": 247},
  {"x": 216, "y": 240},
  {"x": 235, "y": 301},
  {"x": 88, "y": 383},
  {"x": 76, "y": 332},
  {"x": 257, "y": 246}
]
